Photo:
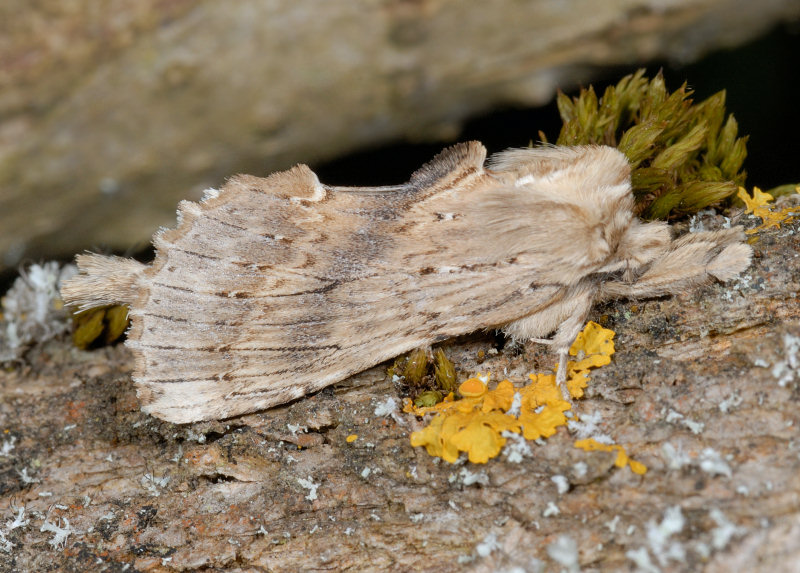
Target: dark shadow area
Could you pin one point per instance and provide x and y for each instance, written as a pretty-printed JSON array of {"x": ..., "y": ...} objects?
[{"x": 761, "y": 80}]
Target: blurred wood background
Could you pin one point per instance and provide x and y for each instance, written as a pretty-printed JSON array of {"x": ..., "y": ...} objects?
[{"x": 110, "y": 114}]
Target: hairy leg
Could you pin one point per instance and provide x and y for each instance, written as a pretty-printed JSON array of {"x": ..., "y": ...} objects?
[
  {"x": 566, "y": 318},
  {"x": 691, "y": 260}
]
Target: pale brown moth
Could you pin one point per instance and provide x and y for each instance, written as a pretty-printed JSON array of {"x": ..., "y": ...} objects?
[{"x": 274, "y": 288}]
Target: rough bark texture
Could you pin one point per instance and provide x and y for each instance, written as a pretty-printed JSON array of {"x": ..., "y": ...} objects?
[
  {"x": 717, "y": 370},
  {"x": 109, "y": 116}
]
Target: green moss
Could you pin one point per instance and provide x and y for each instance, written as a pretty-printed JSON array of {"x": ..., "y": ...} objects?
[
  {"x": 781, "y": 190},
  {"x": 427, "y": 377},
  {"x": 685, "y": 156},
  {"x": 102, "y": 325},
  {"x": 444, "y": 373},
  {"x": 416, "y": 367},
  {"x": 428, "y": 399}
]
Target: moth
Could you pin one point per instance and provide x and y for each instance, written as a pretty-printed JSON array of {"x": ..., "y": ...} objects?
[{"x": 273, "y": 288}]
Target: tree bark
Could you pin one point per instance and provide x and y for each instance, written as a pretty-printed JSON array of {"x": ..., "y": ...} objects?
[{"x": 702, "y": 390}]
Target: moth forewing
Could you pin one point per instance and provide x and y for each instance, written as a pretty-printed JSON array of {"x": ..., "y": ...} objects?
[{"x": 274, "y": 288}]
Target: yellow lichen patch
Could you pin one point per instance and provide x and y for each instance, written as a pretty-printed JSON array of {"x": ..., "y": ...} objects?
[
  {"x": 577, "y": 383},
  {"x": 758, "y": 205},
  {"x": 594, "y": 345},
  {"x": 500, "y": 398},
  {"x": 592, "y": 445},
  {"x": 475, "y": 423},
  {"x": 351, "y": 438},
  {"x": 759, "y": 198},
  {"x": 594, "y": 340},
  {"x": 436, "y": 437},
  {"x": 482, "y": 436},
  {"x": 472, "y": 388}
]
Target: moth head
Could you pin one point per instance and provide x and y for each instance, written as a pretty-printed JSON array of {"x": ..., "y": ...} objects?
[
  {"x": 594, "y": 181},
  {"x": 570, "y": 204},
  {"x": 572, "y": 172}
]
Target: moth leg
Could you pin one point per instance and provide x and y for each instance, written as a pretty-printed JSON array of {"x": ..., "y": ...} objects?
[
  {"x": 692, "y": 260},
  {"x": 566, "y": 317},
  {"x": 565, "y": 336},
  {"x": 561, "y": 374}
]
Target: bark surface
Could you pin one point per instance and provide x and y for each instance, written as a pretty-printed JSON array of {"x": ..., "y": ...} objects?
[{"x": 703, "y": 389}]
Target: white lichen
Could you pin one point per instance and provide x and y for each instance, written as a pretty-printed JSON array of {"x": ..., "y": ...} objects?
[
  {"x": 612, "y": 525},
  {"x": 5, "y": 544},
  {"x": 724, "y": 531},
  {"x": 386, "y": 408},
  {"x": 675, "y": 457},
  {"x": 26, "y": 479},
  {"x": 489, "y": 544},
  {"x": 711, "y": 462},
  {"x": 516, "y": 405},
  {"x": 550, "y": 510},
  {"x": 154, "y": 484},
  {"x": 60, "y": 534},
  {"x": 562, "y": 484},
  {"x": 659, "y": 534},
  {"x": 786, "y": 370},
  {"x": 730, "y": 402},
  {"x": 580, "y": 469},
  {"x": 695, "y": 224},
  {"x": 32, "y": 310},
  {"x": 694, "y": 427},
  {"x": 564, "y": 551},
  {"x": 8, "y": 446},
  {"x": 589, "y": 427},
  {"x": 310, "y": 486},
  {"x": 641, "y": 558},
  {"x": 19, "y": 520},
  {"x": 516, "y": 447},
  {"x": 389, "y": 408},
  {"x": 295, "y": 428},
  {"x": 468, "y": 478}
]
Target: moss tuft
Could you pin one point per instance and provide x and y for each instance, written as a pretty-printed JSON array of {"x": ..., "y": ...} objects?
[{"x": 684, "y": 156}]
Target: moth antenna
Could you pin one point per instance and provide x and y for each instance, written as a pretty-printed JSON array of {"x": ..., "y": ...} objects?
[{"x": 102, "y": 281}]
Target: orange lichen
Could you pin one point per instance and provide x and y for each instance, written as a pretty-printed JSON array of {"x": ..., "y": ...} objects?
[
  {"x": 758, "y": 205},
  {"x": 500, "y": 398},
  {"x": 592, "y": 445},
  {"x": 472, "y": 388},
  {"x": 475, "y": 424}
]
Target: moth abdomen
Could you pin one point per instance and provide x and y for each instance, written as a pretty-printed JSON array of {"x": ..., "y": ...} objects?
[{"x": 103, "y": 280}]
